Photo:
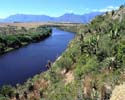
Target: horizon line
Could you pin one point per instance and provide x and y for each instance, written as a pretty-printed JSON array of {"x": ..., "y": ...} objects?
[{"x": 50, "y": 15}]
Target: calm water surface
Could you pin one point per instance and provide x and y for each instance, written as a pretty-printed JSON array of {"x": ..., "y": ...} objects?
[{"x": 19, "y": 65}]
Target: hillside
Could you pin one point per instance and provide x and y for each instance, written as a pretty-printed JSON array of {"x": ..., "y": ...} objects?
[
  {"x": 68, "y": 17},
  {"x": 90, "y": 68}
]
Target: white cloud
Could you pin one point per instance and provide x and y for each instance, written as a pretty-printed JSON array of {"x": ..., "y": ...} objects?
[
  {"x": 87, "y": 9},
  {"x": 108, "y": 8},
  {"x": 69, "y": 11}
]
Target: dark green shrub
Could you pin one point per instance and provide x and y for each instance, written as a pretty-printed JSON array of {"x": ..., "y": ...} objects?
[
  {"x": 65, "y": 63},
  {"x": 7, "y": 90}
]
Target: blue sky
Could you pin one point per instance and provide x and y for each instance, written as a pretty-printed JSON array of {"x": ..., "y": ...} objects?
[{"x": 55, "y": 7}]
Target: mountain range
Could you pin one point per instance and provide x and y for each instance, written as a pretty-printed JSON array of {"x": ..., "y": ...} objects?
[{"x": 68, "y": 17}]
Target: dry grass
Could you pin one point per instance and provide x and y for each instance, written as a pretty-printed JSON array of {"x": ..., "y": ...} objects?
[
  {"x": 118, "y": 93},
  {"x": 35, "y": 24},
  {"x": 69, "y": 77}
]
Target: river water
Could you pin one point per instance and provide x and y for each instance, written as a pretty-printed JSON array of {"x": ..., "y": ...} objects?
[{"x": 19, "y": 65}]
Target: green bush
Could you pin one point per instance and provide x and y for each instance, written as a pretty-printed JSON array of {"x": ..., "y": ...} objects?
[
  {"x": 65, "y": 63},
  {"x": 7, "y": 90}
]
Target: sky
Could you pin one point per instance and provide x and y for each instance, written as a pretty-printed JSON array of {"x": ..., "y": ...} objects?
[{"x": 55, "y": 8}]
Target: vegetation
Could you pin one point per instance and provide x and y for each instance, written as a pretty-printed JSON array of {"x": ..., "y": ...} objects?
[
  {"x": 11, "y": 37},
  {"x": 70, "y": 28},
  {"x": 89, "y": 69}
]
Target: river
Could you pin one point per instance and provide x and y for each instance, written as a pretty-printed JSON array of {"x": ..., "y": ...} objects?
[{"x": 19, "y": 65}]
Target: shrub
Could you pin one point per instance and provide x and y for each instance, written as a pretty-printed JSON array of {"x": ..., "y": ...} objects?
[
  {"x": 65, "y": 63},
  {"x": 7, "y": 90}
]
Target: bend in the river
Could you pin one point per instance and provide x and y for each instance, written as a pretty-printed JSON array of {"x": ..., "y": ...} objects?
[{"x": 19, "y": 65}]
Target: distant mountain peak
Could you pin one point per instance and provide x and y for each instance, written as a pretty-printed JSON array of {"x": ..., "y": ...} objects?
[{"x": 67, "y": 17}]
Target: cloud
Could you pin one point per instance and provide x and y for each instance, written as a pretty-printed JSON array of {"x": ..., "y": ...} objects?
[
  {"x": 108, "y": 8},
  {"x": 87, "y": 9},
  {"x": 69, "y": 11}
]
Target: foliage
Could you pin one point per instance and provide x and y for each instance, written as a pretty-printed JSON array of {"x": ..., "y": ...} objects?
[
  {"x": 7, "y": 91},
  {"x": 21, "y": 36}
]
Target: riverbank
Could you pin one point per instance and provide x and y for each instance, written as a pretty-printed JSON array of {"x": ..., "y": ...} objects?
[
  {"x": 41, "y": 79},
  {"x": 32, "y": 59},
  {"x": 12, "y": 38}
]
